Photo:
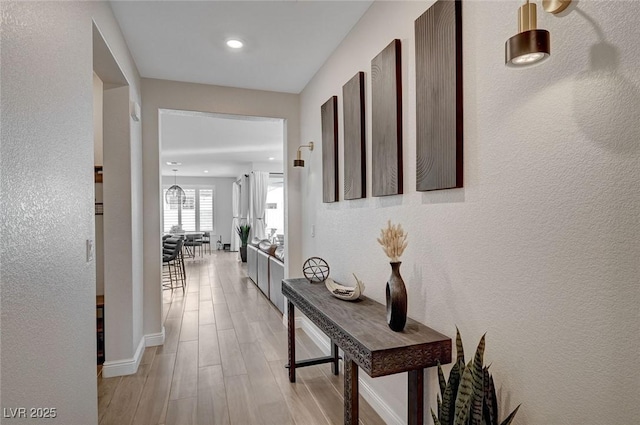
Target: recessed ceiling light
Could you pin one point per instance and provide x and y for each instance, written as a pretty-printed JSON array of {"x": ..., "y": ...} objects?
[
  {"x": 234, "y": 43},
  {"x": 206, "y": 171},
  {"x": 173, "y": 163},
  {"x": 271, "y": 158}
]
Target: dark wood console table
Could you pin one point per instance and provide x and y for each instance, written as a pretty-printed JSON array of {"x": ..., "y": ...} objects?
[{"x": 360, "y": 329}]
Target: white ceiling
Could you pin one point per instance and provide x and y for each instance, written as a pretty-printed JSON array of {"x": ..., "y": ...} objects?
[
  {"x": 224, "y": 145},
  {"x": 286, "y": 42}
]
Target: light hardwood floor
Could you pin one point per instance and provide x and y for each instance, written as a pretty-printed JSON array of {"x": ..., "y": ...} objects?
[{"x": 223, "y": 362}]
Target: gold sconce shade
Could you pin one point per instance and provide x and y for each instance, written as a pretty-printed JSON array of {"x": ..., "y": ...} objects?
[
  {"x": 531, "y": 45},
  {"x": 299, "y": 162}
]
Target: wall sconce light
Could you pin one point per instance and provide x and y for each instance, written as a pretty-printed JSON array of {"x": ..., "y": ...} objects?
[
  {"x": 531, "y": 45},
  {"x": 299, "y": 162}
]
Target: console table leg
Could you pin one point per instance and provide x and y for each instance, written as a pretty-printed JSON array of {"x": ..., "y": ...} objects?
[
  {"x": 350, "y": 391},
  {"x": 335, "y": 366},
  {"x": 416, "y": 397},
  {"x": 291, "y": 341}
]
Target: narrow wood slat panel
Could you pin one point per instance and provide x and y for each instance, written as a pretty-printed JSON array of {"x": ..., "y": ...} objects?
[
  {"x": 208, "y": 347},
  {"x": 242, "y": 407},
  {"x": 183, "y": 412},
  {"x": 386, "y": 121},
  {"x": 152, "y": 408},
  {"x": 205, "y": 311},
  {"x": 329, "y": 117},
  {"x": 230, "y": 354},
  {"x": 438, "y": 35},
  {"x": 189, "y": 329},
  {"x": 185, "y": 375},
  {"x": 125, "y": 399},
  {"x": 171, "y": 336},
  {"x": 355, "y": 159},
  {"x": 212, "y": 397}
]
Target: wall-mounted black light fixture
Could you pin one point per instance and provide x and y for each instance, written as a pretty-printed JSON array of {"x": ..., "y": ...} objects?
[{"x": 531, "y": 45}]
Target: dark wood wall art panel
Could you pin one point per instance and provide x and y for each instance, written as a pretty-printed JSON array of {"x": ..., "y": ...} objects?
[
  {"x": 329, "y": 112},
  {"x": 355, "y": 169},
  {"x": 439, "y": 96},
  {"x": 386, "y": 117}
]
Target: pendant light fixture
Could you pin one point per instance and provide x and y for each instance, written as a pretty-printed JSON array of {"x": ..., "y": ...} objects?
[
  {"x": 531, "y": 45},
  {"x": 175, "y": 195}
]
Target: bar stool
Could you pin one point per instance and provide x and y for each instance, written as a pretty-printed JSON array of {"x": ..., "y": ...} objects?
[{"x": 172, "y": 258}]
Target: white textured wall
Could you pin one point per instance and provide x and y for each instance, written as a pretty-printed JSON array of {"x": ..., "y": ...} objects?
[
  {"x": 540, "y": 248},
  {"x": 205, "y": 98},
  {"x": 47, "y": 193},
  {"x": 223, "y": 211}
]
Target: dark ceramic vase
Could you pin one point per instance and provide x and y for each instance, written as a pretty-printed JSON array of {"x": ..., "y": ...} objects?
[
  {"x": 243, "y": 253},
  {"x": 396, "y": 299}
]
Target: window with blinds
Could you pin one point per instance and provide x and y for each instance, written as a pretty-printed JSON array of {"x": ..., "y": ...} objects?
[{"x": 196, "y": 214}]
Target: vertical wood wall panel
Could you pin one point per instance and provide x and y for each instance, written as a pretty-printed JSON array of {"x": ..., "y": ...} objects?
[
  {"x": 438, "y": 34},
  {"x": 329, "y": 113},
  {"x": 386, "y": 116},
  {"x": 355, "y": 170}
]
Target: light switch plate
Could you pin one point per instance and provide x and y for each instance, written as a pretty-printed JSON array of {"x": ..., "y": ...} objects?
[{"x": 91, "y": 250}]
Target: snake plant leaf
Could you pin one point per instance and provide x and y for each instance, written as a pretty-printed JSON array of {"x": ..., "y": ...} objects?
[
  {"x": 441, "y": 380},
  {"x": 487, "y": 403},
  {"x": 494, "y": 400},
  {"x": 450, "y": 393},
  {"x": 459, "y": 347},
  {"x": 463, "y": 400},
  {"x": 435, "y": 419},
  {"x": 439, "y": 405},
  {"x": 509, "y": 418},
  {"x": 478, "y": 386}
]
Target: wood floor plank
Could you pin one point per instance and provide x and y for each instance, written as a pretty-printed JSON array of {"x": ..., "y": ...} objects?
[
  {"x": 300, "y": 401},
  {"x": 242, "y": 408},
  {"x": 206, "y": 313},
  {"x": 189, "y": 329},
  {"x": 212, "y": 397},
  {"x": 230, "y": 354},
  {"x": 147, "y": 356},
  {"x": 123, "y": 405},
  {"x": 244, "y": 331},
  {"x": 223, "y": 362},
  {"x": 183, "y": 412},
  {"x": 192, "y": 300},
  {"x": 223, "y": 317},
  {"x": 208, "y": 347},
  {"x": 106, "y": 390},
  {"x": 265, "y": 390},
  {"x": 185, "y": 375},
  {"x": 171, "y": 336},
  {"x": 153, "y": 404}
]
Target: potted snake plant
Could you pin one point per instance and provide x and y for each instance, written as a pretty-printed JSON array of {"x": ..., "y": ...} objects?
[{"x": 243, "y": 232}]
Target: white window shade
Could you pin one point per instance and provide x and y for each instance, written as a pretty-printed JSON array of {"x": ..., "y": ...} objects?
[{"x": 195, "y": 214}]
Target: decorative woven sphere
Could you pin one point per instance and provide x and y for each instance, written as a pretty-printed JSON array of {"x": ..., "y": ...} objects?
[{"x": 315, "y": 269}]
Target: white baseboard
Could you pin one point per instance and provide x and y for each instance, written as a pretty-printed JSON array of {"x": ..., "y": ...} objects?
[
  {"x": 388, "y": 415},
  {"x": 126, "y": 366},
  {"x": 130, "y": 366},
  {"x": 152, "y": 340}
]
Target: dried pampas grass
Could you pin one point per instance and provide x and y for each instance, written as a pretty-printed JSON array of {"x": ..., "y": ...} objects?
[{"x": 393, "y": 240}]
